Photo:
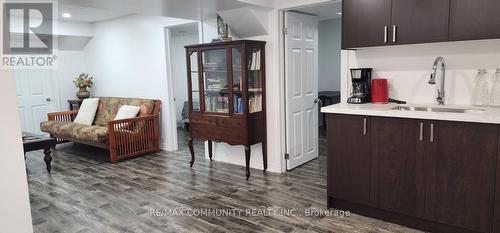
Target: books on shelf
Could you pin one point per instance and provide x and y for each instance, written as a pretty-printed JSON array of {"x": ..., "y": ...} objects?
[
  {"x": 255, "y": 61},
  {"x": 255, "y": 103},
  {"x": 238, "y": 105},
  {"x": 216, "y": 104}
]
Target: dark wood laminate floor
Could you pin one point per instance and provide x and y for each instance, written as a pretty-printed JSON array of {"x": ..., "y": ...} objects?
[{"x": 85, "y": 193}]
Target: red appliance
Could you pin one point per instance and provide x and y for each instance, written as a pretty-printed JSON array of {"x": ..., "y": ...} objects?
[{"x": 380, "y": 91}]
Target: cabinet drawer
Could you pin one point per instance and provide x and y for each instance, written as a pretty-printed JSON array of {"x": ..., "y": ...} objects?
[
  {"x": 230, "y": 122},
  {"x": 230, "y": 136},
  {"x": 203, "y": 120}
]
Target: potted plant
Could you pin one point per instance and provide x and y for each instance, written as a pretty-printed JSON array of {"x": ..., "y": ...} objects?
[{"x": 83, "y": 81}]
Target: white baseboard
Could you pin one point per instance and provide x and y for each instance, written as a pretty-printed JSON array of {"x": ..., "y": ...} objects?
[
  {"x": 168, "y": 147},
  {"x": 236, "y": 155}
]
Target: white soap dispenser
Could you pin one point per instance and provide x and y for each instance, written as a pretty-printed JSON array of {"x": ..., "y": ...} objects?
[
  {"x": 495, "y": 90},
  {"x": 480, "y": 95}
]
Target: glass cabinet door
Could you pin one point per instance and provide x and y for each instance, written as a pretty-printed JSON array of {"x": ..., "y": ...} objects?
[
  {"x": 254, "y": 80},
  {"x": 195, "y": 85},
  {"x": 237, "y": 81},
  {"x": 215, "y": 79}
]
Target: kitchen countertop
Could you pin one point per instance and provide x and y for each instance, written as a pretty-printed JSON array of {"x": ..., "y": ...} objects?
[{"x": 491, "y": 115}]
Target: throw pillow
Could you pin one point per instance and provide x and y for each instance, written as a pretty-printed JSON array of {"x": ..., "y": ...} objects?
[
  {"x": 127, "y": 111},
  {"x": 144, "y": 111},
  {"x": 87, "y": 111}
]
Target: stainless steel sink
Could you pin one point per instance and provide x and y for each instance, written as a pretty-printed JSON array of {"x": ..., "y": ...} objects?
[{"x": 439, "y": 109}]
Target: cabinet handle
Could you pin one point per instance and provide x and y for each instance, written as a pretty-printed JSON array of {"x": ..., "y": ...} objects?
[
  {"x": 386, "y": 29},
  {"x": 432, "y": 133},
  {"x": 394, "y": 32},
  {"x": 421, "y": 136},
  {"x": 364, "y": 126}
]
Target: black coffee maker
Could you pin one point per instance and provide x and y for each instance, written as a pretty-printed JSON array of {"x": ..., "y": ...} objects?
[{"x": 361, "y": 86}]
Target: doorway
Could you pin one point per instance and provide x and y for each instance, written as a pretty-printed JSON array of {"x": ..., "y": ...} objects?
[
  {"x": 35, "y": 97},
  {"x": 177, "y": 37},
  {"x": 312, "y": 74}
]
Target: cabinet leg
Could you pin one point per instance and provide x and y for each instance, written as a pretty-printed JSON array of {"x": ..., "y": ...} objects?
[
  {"x": 47, "y": 159},
  {"x": 210, "y": 150},
  {"x": 247, "y": 160},
  {"x": 191, "y": 149},
  {"x": 264, "y": 154}
]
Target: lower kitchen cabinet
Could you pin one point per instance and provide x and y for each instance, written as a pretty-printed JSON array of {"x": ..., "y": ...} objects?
[
  {"x": 438, "y": 176},
  {"x": 348, "y": 160},
  {"x": 461, "y": 174},
  {"x": 397, "y": 160},
  {"x": 496, "y": 226}
]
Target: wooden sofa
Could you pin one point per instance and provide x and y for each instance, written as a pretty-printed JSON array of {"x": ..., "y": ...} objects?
[{"x": 123, "y": 138}]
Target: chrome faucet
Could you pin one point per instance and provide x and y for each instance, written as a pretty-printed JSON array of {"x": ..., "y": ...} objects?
[{"x": 440, "y": 97}]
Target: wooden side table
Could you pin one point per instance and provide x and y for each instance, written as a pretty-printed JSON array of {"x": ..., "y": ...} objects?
[
  {"x": 74, "y": 104},
  {"x": 32, "y": 142}
]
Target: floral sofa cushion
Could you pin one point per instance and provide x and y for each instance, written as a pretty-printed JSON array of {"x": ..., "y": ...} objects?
[
  {"x": 76, "y": 131},
  {"x": 108, "y": 107}
]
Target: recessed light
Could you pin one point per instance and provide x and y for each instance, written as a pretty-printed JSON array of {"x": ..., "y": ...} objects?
[
  {"x": 66, "y": 15},
  {"x": 339, "y": 13}
]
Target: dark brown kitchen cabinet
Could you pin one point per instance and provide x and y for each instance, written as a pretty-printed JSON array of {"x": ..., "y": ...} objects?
[
  {"x": 419, "y": 21},
  {"x": 461, "y": 174},
  {"x": 398, "y": 159},
  {"x": 349, "y": 158},
  {"x": 496, "y": 226},
  {"x": 365, "y": 23},
  {"x": 438, "y": 176},
  {"x": 368, "y": 23},
  {"x": 474, "y": 19}
]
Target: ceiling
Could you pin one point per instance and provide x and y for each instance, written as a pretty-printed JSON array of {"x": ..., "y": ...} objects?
[
  {"x": 88, "y": 14},
  {"x": 90, "y": 11},
  {"x": 324, "y": 11}
]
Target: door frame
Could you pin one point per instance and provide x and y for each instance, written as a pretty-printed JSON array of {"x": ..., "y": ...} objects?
[
  {"x": 172, "y": 144},
  {"x": 344, "y": 72}
]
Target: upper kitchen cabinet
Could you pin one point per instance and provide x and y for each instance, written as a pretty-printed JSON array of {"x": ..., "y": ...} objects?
[
  {"x": 474, "y": 19},
  {"x": 419, "y": 21},
  {"x": 365, "y": 23},
  {"x": 391, "y": 22}
]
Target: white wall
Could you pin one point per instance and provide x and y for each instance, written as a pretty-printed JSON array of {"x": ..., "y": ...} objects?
[
  {"x": 127, "y": 58},
  {"x": 329, "y": 38},
  {"x": 178, "y": 60},
  {"x": 408, "y": 68},
  {"x": 14, "y": 199},
  {"x": 71, "y": 64}
]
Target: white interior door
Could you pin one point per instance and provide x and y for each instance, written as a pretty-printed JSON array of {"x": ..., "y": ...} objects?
[
  {"x": 34, "y": 97},
  {"x": 301, "y": 78}
]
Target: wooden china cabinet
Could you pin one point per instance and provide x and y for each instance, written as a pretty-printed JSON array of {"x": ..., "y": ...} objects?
[{"x": 226, "y": 86}]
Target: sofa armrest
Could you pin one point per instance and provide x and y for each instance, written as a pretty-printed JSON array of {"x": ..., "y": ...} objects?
[
  {"x": 133, "y": 136},
  {"x": 67, "y": 116}
]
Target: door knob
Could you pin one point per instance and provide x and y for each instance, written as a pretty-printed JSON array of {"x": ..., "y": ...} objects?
[
  {"x": 48, "y": 99},
  {"x": 317, "y": 101}
]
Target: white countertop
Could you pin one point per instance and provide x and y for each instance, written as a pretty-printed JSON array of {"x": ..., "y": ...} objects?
[{"x": 491, "y": 115}]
